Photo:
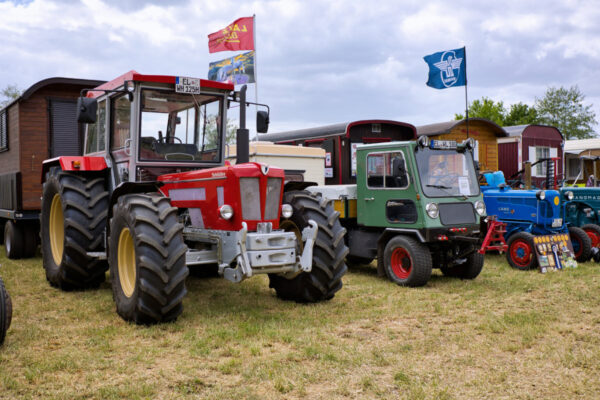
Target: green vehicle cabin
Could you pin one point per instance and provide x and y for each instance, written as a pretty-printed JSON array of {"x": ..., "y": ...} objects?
[{"x": 415, "y": 206}]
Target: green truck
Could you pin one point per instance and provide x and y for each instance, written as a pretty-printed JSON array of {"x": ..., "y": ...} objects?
[{"x": 416, "y": 205}]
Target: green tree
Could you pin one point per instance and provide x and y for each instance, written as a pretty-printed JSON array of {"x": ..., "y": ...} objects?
[
  {"x": 8, "y": 94},
  {"x": 564, "y": 109},
  {"x": 521, "y": 114},
  {"x": 485, "y": 108}
]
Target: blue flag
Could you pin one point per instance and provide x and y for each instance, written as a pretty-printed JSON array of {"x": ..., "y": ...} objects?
[
  {"x": 447, "y": 69},
  {"x": 237, "y": 69}
]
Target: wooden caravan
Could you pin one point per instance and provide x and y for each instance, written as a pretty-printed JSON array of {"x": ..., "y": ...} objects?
[
  {"x": 340, "y": 140},
  {"x": 485, "y": 132},
  {"x": 581, "y": 160},
  {"x": 40, "y": 124},
  {"x": 531, "y": 143}
]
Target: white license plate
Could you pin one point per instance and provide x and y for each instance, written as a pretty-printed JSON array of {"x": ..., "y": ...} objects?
[
  {"x": 557, "y": 222},
  {"x": 187, "y": 85}
]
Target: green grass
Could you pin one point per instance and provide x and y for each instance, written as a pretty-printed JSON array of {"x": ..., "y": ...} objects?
[{"x": 507, "y": 334}]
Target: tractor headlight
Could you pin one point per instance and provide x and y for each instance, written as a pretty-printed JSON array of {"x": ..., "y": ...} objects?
[
  {"x": 286, "y": 210},
  {"x": 432, "y": 210},
  {"x": 541, "y": 195},
  {"x": 480, "y": 207},
  {"x": 569, "y": 195},
  {"x": 226, "y": 211}
]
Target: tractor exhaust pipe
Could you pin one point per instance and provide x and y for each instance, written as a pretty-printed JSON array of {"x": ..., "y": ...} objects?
[{"x": 243, "y": 135}]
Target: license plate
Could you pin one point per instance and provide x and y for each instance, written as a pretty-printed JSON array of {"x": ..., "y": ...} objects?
[
  {"x": 557, "y": 222},
  {"x": 187, "y": 85}
]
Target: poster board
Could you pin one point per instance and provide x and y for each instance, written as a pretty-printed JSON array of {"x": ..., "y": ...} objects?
[{"x": 554, "y": 252}]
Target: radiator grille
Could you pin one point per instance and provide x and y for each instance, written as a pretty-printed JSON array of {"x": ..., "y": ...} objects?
[{"x": 457, "y": 213}]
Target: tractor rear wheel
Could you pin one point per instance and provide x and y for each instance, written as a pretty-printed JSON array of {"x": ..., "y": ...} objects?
[
  {"x": 147, "y": 259},
  {"x": 329, "y": 250},
  {"x": 407, "y": 262},
  {"x": 582, "y": 245},
  {"x": 5, "y": 311},
  {"x": 14, "y": 241},
  {"x": 520, "y": 253},
  {"x": 73, "y": 218},
  {"x": 470, "y": 269}
]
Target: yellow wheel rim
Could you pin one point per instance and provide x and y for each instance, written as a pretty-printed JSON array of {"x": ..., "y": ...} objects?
[
  {"x": 56, "y": 229},
  {"x": 126, "y": 260},
  {"x": 289, "y": 226}
]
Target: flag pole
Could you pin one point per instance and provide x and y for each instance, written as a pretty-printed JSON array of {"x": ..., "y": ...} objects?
[
  {"x": 255, "y": 69},
  {"x": 466, "y": 97}
]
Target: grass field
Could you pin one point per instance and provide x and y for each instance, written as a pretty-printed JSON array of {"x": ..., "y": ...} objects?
[{"x": 505, "y": 335}]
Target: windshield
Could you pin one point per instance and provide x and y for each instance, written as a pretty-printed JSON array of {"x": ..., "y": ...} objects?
[
  {"x": 446, "y": 173},
  {"x": 180, "y": 127}
]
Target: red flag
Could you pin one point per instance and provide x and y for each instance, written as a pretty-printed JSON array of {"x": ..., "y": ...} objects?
[{"x": 236, "y": 36}]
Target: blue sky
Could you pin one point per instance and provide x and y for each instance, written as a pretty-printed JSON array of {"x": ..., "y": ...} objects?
[{"x": 319, "y": 62}]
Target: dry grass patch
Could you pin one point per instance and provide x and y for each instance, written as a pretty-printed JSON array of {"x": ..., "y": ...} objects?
[{"x": 507, "y": 334}]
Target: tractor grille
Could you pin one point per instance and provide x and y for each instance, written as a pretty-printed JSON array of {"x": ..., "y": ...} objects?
[
  {"x": 457, "y": 213},
  {"x": 273, "y": 195},
  {"x": 250, "y": 196}
]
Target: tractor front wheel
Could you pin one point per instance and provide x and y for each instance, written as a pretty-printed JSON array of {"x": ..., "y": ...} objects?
[
  {"x": 5, "y": 311},
  {"x": 407, "y": 262},
  {"x": 329, "y": 250},
  {"x": 582, "y": 245},
  {"x": 520, "y": 253},
  {"x": 470, "y": 269},
  {"x": 593, "y": 232},
  {"x": 73, "y": 219},
  {"x": 147, "y": 259}
]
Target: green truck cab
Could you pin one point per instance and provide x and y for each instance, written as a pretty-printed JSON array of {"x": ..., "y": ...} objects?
[{"x": 415, "y": 206}]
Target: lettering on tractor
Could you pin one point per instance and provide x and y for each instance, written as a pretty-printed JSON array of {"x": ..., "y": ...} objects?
[{"x": 152, "y": 200}]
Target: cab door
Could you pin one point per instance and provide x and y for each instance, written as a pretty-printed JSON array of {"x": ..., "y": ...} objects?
[
  {"x": 120, "y": 136},
  {"x": 386, "y": 197}
]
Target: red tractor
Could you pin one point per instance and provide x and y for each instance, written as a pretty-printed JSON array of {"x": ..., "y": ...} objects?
[{"x": 153, "y": 199}]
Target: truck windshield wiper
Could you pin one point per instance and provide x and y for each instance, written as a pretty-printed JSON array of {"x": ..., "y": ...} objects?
[{"x": 439, "y": 186}]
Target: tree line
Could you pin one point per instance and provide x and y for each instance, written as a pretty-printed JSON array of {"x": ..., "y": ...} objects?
[{"x": 559, "y": 107}]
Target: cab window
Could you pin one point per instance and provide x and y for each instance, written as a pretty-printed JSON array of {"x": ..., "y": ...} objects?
[
  {"x": 96, "y": 132},
  {"x": 120, "y": 116},
  {"x": 387, "y": 170}
]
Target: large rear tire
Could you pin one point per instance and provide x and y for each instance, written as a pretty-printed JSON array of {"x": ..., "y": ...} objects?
[
  {"x": 147, "y": 259},
  {"x": 14, "y": 241},
  {"x": 329, "y": 250},
  {"x": 73, "y": 219},
  {"x": 520, "y": 253},
  {"x": 470, "y": 269},
  {"x": 582, "y": 245},
  {"x": 5, "y": 311},
  {"x": 407, "y": 262}
]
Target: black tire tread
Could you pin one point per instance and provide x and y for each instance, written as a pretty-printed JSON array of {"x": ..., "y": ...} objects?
[
  {"x": 5, "y": 311},
  {"x": 526, "y": 236},
  {"x": 470, "y": 269},
  {"x": 329, "y": 251},
  {"x": 422, "y": 263},
  {"x": 14, "y": 232},
  {"x": 586, "y": 242}
]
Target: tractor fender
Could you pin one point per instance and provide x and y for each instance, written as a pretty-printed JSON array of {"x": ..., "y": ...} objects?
[
  {"x": 74, "y": 163},
  {"x": 293, "y": 185},
  {"x": 385, "y": 237},
  {"x": 130, "y": 188}
]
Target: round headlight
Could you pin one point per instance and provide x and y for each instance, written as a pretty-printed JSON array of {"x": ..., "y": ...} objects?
[
  {"x": 432, "y": 210},
  {"x": 480, "y": 207},
  {"x": 541, "y": 194},
  {"x": 569, "y": 195},
  {"x": 286, "y": 210},
  {"x": 226, "y": 211}
]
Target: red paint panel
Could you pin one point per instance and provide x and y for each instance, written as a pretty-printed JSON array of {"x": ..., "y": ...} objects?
[
  {"x": 68, "y": 163},
  {"x": 229, "y": 177},
  {"x": 508, "y": 158}
]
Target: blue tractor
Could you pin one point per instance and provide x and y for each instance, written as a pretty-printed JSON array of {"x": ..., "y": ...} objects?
[
  {"x": 582, "y": 209},
  {"x": 528, "y": 213}
]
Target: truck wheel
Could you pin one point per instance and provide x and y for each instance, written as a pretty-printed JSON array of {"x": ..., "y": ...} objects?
[
  {"x": 593, "y": 232},
  {"x": 407, "y": 262},
  {"x": 147, "y": 259},
  {"x": 5, "y": 311},
  {"x": 329, "y": 250},
  {"x": 470, "y": 269},
  {"x": 358, "y": 260},
  {"x": 73, "y": 218},
  {"x": 13, "y": 240},
  {"x": 520, "y": 253},
  {"x": 582, "y": 245},
  {"x": 30, "y": 243}
]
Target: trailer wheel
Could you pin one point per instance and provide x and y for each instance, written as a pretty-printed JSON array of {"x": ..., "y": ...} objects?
[
  {"x": 13, "y": 240},
  {"x": 407, "y": 262},
  {"x": 73, "y": 218},
  {"x": 582, "y": 245},
  {"x": 30, "y": 241},
  {"x": 358, "y": 260},
  {"x": 329, "y": 251},
  {"x": 520, "y": 253},
  {"x": 593, "y": 232},
  {"x": 147, "y": 259},
  {"x": 470, "y": 269},
  {"x": 5, "y": 311}
]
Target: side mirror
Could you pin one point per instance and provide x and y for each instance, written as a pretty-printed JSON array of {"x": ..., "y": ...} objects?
[
  {"x": 86, "y": 110},
  {"x": 262, "y": 122}
]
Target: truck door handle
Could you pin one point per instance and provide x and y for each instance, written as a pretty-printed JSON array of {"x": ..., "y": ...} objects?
[{"x": 369, "y": 198}]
